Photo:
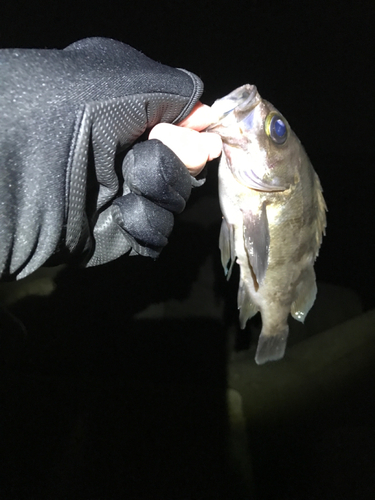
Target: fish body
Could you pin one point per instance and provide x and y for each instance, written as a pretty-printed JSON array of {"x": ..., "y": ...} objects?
[{"x": 273, "y": 215}]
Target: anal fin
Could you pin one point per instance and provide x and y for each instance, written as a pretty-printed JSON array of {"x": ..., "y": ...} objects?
[{"x": 306, "y": 293}]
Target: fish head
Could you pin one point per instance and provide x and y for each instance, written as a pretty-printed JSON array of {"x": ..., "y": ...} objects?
[{"x": 261, "y": 149}]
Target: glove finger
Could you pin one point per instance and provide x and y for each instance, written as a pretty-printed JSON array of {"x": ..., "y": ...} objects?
[
  {"x": 152, "y": 170},
  {"x": 148, "y": 224}
]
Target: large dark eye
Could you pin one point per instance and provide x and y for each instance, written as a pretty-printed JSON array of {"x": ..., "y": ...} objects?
[{"x": 275, "y": 127}]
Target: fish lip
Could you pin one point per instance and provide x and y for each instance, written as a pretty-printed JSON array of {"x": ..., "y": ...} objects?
[
  {"x": 249, "y": 99},
  {"x": 241, "y": 101}
]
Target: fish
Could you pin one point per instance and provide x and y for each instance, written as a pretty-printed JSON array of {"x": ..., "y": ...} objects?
[{"x": 274, "y": 215}]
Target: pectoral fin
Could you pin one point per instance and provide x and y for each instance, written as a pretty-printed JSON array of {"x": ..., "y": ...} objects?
[
  {"x": 306, "y": 293},
  {"x": 226, "y": 245},
  {"x": 257, "y": 241}
]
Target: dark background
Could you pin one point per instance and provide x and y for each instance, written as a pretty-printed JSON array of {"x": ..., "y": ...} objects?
[{"x": 66, "y": 388}]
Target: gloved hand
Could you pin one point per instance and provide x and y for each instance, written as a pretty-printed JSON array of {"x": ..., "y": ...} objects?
[{"x": 64, "y": 114}]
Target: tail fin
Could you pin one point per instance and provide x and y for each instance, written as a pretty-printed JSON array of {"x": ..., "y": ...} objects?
[{"x": 271, "y": 347}]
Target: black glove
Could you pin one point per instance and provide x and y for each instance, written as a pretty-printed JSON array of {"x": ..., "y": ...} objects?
[{"x": 64, "y": 114}]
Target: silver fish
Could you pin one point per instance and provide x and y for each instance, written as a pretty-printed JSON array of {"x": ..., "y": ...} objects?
[{"x": 273, "y": 215}]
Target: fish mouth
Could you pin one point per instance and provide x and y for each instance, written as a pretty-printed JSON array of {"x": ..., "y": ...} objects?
[
  {"x": 247, "y": 98},
  {"x": 235, "y": 105}
]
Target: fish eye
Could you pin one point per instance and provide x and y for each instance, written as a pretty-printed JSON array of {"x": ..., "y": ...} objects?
[{"x": 275, "y": 127}]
